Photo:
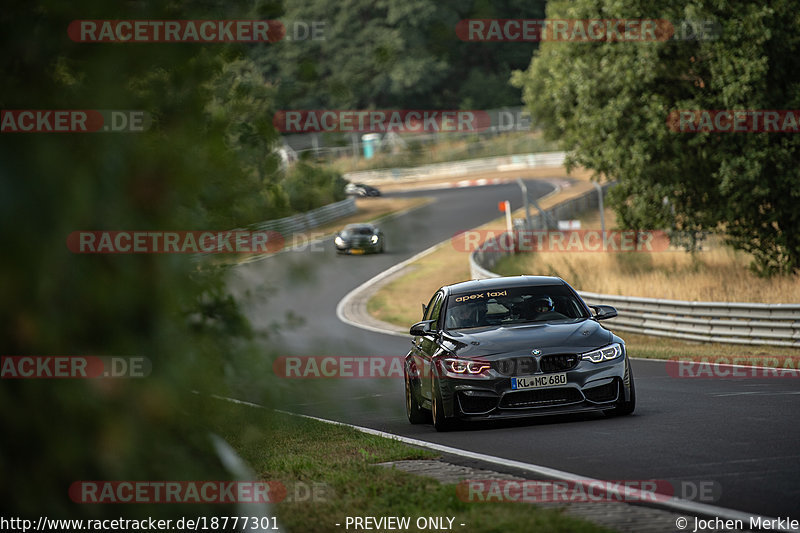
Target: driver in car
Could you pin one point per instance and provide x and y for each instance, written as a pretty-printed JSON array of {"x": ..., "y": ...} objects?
[
  {"x": 467, "y": 315},
  {"x": 460, "y": 316},
  {"x": 543, "y": 305},
  {"x": 540, "y": 307}
]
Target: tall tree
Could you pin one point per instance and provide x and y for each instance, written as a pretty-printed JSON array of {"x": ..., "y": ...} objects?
[{"x": 610, "y": 102}]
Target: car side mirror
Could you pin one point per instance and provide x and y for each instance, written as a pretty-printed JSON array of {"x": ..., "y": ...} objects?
[
  {"x": 603, "y": 312},
  {"x": 420, "y": 329}
]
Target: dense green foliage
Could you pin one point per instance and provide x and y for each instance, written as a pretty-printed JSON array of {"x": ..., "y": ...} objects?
[
  {"x": 608, "y": 103},
  {"x": 395, "y": 54},
  {"x": 203, "y": 164}
]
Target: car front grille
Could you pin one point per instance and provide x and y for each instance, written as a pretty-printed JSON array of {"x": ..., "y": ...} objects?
[
  {"x": 540, "y": 398},
  {"x": 526, "y": 366},
  {"x": 360, "y": 242},
  {"x": 558, "y": 362},
  {"x": 515, "y": 366}
]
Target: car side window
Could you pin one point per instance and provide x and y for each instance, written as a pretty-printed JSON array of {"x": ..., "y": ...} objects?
[
  {"x": 426, "y": 313},
  {"x": 434, "y": 308}
]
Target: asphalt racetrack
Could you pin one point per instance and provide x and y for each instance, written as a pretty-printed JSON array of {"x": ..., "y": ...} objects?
[{"x": 740, "y": 436}]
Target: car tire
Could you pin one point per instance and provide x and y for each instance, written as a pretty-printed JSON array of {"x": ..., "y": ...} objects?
[
  {"x": 625, "y": 407},
  {"x": 415, "y": 413},
  {"x": 440, "y": 422}
]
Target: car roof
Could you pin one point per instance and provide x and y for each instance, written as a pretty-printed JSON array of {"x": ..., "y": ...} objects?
[
  {"x": 360, "y": 225},
  {"x": 501, "y": 283}
]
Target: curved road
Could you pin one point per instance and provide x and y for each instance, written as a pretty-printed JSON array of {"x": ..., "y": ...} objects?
[{"x": 740, "y": 436}]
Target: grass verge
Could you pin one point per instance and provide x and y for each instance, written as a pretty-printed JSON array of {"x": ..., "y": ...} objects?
[
  {"x": 650, "y": 347},
  {"x": 340, "y": 463}
]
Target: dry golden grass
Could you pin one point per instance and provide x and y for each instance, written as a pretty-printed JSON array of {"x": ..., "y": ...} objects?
[
  {"x": 717, "y": 273},
  {"x": 651, "y": 347},
  {"x": 371, "y": 209}
]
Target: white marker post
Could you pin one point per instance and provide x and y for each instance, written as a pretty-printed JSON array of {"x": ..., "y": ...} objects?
[{"x": 505, "y": 207}]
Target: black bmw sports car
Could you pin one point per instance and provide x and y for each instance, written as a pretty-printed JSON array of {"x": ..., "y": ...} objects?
[
  {"x": 514, "y": 347},
  {"x": 359, "y": 239},
  {"x": 361, "y": 189}
]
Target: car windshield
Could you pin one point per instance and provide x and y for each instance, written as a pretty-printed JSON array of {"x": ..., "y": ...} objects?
[
  {"x": 363, "y": 230},
  {"x": 517, "y": 305}
]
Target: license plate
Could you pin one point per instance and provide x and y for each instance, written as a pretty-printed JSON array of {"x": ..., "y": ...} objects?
[
  {"x": 539, "y": 382},
  {"x": 356, "y": 251}
]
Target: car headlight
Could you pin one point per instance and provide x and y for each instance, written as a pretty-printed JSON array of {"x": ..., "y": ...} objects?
[
  {"x": 338, "y": 241},
  {"x": 612, "y": 351},
  {"x": 462, "y": 367},
  {"x": 374, "y": 239}
]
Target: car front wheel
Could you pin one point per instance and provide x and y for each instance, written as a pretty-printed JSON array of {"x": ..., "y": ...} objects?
[
  {"x": 625, "y": 407},
  {"x": 415, "y": 413},
  {"x": 440, "y": 422}
]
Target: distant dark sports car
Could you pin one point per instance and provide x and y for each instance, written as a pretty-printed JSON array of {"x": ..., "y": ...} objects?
[
  {"x": 514, "y": 347},
  {"x": 361, "y": 189},
  {"x": 359, "y": 239}
]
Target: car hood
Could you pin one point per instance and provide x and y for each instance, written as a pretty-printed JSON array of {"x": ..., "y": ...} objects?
[
  {"x": 357, "y": 237},
  {"x": 549, "y": 337}
]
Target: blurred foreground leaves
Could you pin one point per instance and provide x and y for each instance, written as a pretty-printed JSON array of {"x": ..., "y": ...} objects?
[{"x": 207, "y": 162}]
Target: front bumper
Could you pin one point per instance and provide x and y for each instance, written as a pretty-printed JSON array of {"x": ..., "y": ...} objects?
[
  {"x": 359, "y": 246},
  {"x": 360, "y": 249},
  {"x": 590, "y": 387}
]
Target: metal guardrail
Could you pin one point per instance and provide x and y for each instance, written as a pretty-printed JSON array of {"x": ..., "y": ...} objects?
[
  {"x": 725, "y": 322},
  {"x": 733, "y": 323},
  {"x": 311, "y": 219},
  {"x": 457, "y": 168},
  {"x": 300, "y": 222}
]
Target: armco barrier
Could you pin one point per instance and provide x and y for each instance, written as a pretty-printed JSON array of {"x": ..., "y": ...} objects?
[
  {"x": 734, "y": 323},
  {"x": 302, "y": 221},
  {"x": 311, "y": 219},
  {"x": 457, "y": 168}
]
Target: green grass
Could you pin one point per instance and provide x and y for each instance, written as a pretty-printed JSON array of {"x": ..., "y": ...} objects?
[{"x": 295, "y": 450}]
